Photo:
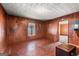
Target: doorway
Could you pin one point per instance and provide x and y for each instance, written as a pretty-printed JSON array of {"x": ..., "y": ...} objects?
[{"x": 63, "y": 31}]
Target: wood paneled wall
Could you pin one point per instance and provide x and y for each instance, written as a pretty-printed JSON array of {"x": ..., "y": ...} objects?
[
  {"x": 73, "y": 38},
  {"x": 2, "y": 30},
  {"x": 20, "y": 34},
  {"x": 47, "y": 29},
  {"x": 52, "y": 28}
]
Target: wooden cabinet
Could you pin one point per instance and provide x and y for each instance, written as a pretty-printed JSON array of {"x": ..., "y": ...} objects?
[{"x": 65, "y": 50}]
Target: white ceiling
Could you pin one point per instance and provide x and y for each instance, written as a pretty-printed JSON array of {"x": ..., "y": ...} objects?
[{"x": 40, "y": 11}]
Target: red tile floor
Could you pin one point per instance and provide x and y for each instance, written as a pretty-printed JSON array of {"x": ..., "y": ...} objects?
[{"x": 42, "y": 47}]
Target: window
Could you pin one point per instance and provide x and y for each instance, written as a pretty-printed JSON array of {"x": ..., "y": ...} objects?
[{"x": 31, "y": 29}]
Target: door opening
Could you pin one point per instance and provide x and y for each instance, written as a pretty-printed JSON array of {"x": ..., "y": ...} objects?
[{"x": 63, "y": 31}]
